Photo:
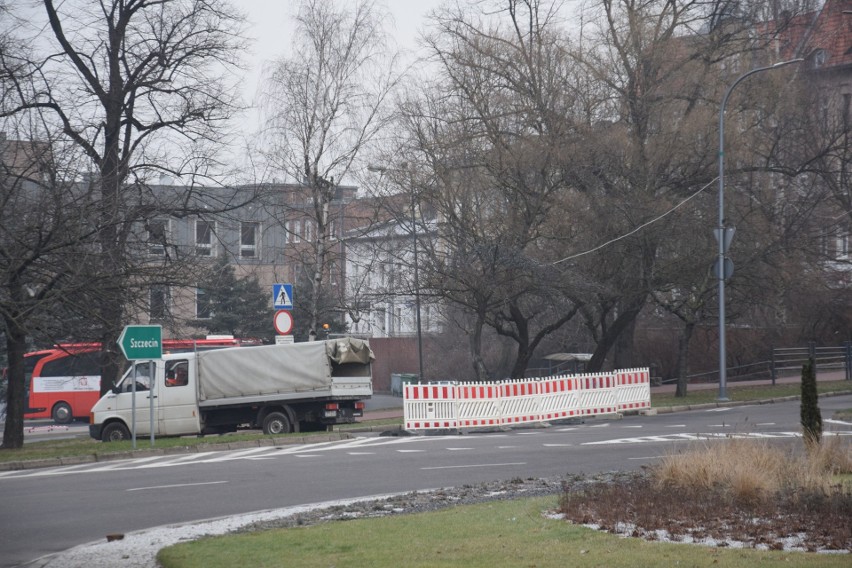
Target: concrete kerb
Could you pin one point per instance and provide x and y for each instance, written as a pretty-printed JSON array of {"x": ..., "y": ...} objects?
[{"x": 345, "y": 435}]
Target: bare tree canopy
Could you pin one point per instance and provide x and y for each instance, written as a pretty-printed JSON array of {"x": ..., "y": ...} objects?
[{"x": 325, "y": 105}]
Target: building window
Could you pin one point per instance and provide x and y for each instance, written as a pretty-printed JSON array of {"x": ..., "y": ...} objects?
[
  {"x": 158, "y": 233},
  {"x": 203, "y": 238},
  {"x": 248, "y": 240},
  {"x": 203, "y": 310},
  {"x": 297, "y": 229},
  {"x": 160, "y": 300},
  {"x": 309, "y": 230}
]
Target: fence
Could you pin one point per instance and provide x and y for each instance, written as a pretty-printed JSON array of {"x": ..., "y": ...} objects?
[
  {"x": 506, "y": 403},
  {"x": 791, "y": 359}
]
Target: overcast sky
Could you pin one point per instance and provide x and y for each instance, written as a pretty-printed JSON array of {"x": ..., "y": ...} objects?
[{"x": 270, "y": 24}]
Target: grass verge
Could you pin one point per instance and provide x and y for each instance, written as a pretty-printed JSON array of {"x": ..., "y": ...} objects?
[
  {"x": 744, "y": 393},
  {"x": 488, "y": 535}
]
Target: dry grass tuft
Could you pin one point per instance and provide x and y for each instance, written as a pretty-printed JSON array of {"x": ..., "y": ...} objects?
[
  {"x": 753, "y": 469},
  {"x": 739, "y": 489}
]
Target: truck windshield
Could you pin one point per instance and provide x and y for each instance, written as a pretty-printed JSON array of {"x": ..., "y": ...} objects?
[{"x": 144, "y": 371}]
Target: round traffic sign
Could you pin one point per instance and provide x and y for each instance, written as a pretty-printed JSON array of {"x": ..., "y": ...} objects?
[{"x": 283, "y": 322}]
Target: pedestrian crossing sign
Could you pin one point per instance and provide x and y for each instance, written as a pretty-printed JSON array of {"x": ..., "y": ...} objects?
[{"x": 282, "y": 296}]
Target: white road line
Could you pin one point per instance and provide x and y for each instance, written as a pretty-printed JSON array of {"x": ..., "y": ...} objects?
[
  {"x": 676, "y": 426},
  {"x": 361, "y": 453},
  {"x": 833, "y": 421},
  {"x": 648, "y": 458},
  {"x": 175, "y": 486},
  {"x": 766, "y": 424},
  {"x": 506, "y": 447},
  {"x": 557, "y": 445},
  {"x": 459, "y": 449},
  {"x": 410, "y": 451},
  {"x": 639, "y": 426},
  {"x": 599, "y": 426},
  {"x": 566, "y": 429},
  {"x": 472, "y": 465},
  {"x": 228, "y": 456}
]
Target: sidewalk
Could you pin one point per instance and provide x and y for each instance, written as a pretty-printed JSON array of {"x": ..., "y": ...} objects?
[{"x": 838, "y": 375}]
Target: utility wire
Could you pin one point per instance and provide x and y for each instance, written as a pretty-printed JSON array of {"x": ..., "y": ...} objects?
[{"x": 639, "y": 228}]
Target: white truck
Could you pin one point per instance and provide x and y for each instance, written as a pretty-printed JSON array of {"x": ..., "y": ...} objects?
[{"x": 278, "y": 388}]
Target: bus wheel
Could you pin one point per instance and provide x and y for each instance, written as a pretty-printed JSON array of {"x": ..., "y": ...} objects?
[
  {"x": 276, "y": 423},
  {"x": 115, "y": 432},
  {"x": 62, "y": 413}
]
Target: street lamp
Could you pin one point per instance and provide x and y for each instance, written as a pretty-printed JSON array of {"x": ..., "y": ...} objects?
[
  {"x": 404, "y": 167},
  {"x": 723, "y": 234}
]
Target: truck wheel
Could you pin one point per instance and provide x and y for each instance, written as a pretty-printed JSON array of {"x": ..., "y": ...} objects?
[
  {"x": 115, "y": 432},
  {"x": 276, "y": 423},
  {"x": 62, "y": 413}
]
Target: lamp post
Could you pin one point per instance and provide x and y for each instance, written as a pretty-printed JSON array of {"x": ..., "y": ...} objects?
[
  {"x": 724, "y": 234},
  {"x": 404, "y": 167}
]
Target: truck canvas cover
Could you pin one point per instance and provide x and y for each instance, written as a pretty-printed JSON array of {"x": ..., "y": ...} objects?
[{"x": 276, "y": 369}]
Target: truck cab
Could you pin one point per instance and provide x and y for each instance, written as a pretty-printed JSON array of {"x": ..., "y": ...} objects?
[{"x": 165, "y": 389}]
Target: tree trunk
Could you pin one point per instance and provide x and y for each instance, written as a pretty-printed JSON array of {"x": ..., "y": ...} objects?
[
  {"x": 611, "y": 334},
  {"x": 16, "y": 393},
  {"x": 683, "y": 358},
  {"x": 476, "y": 348},
  {"x": 810, "y": 414}
]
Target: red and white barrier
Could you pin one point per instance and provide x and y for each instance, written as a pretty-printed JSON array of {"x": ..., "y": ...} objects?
[
  {"x": 429, "y": 406},
  {"x": 505, "y": 403},
  {"x": 634, "y": 389}
]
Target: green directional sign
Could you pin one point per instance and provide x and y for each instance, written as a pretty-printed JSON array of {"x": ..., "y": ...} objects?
[{"x": 141, "y": 342}]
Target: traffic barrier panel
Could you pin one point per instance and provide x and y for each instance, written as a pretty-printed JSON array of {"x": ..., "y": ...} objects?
[
  {"x": 429, "y": 406},
  {"x": 478, "y": 405},
  {"x": 558, "y": 398},
  {"x": 520, "y": 402},
  {"x": 597, "y": 394},
  {"x": 634, "y": 389}
]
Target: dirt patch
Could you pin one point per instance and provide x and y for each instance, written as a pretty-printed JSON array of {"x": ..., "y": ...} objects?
[{"x": 634, "y": 505}]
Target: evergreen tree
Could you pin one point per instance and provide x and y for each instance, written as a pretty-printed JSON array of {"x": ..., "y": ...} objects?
[{"x": 238, "y": 306}]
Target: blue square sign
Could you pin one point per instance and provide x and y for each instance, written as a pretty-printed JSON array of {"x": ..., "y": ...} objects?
[{"x": 282, "y": 296}]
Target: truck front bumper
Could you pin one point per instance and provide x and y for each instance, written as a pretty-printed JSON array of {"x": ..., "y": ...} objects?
[{"x": 95, "y": 431}]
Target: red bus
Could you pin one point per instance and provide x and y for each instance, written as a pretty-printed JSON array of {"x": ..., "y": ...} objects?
[{"x": 64, "y": 382}]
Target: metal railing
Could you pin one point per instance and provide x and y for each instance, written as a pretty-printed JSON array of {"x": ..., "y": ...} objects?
[{"x": 790, "y": 359}]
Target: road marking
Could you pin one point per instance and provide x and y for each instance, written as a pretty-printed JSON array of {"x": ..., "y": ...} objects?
[
  {"x": 648, "y": 458},
  {"x": 833, "y": 421},
  {"x": 766, "y": 424},
  {"x": 472, "y": 465},
  {"x": 676, "y": 426},
  {"x": 557, "y": 445},
  {"x": 506, "y": 447},
  {"x": 175, "y": 486},
  {"x": 410, "y": 451},
  {"x": 459, "y": 449},
  {"x": 599, "y": 426},
  {"x": 566, "y": 429},
  {"x": 361, "y": 453},
  {"x": 640, "y": 426}
]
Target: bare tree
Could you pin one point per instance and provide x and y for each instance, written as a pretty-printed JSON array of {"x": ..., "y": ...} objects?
[
  {"x": 137, "y": 86},
  {"x": 325, "y": 105}
]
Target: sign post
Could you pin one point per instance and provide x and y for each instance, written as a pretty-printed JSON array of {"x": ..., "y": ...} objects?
[{"x": 142, "y": 342}]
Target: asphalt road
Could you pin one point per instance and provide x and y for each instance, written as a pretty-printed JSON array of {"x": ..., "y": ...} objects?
[{"x": 45, "y": 511}]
